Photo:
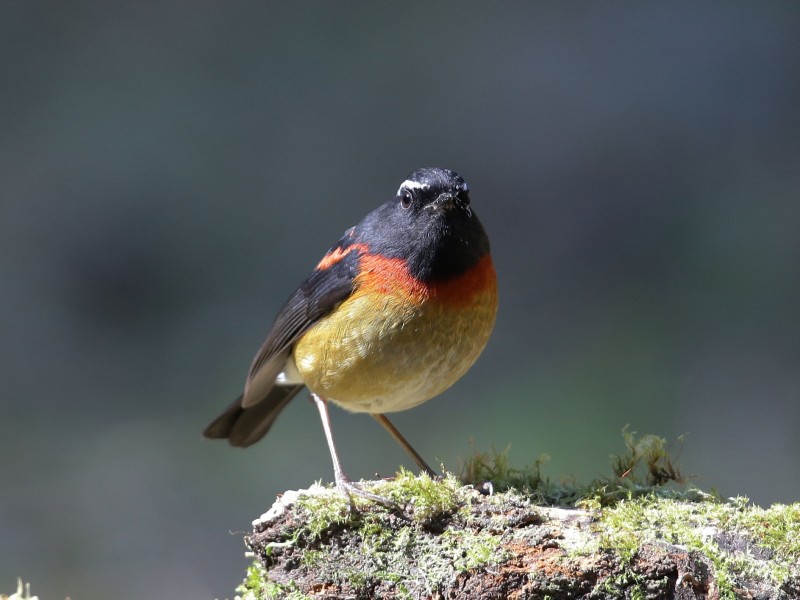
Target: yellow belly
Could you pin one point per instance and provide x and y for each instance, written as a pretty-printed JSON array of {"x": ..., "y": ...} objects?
[{"x": 385, "y": 353}]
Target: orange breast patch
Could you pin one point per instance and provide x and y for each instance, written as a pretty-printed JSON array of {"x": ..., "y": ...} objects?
[{"x": 391, "y": 276}]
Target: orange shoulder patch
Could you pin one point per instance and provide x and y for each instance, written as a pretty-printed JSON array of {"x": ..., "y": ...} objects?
[{"x": 337, "y": 254}]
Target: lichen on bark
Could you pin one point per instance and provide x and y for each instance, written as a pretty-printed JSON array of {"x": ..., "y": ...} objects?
[
  {"x": 314, "y": 544},
  {"x": 633, "y": 535}
]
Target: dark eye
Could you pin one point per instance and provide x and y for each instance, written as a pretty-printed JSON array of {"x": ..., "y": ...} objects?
[
  {"x": 405, "y": 199},
  {"x": 463, "y": 195}
]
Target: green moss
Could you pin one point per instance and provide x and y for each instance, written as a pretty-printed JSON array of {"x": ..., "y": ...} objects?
[
  {"x": 645, "y": 467},
  {"x": 258, "y": 586},
  {"x": 765, "y": 543},
  {"x": 430, "y": 535},
  {"x": 418, "y": 498},
  {"x": 425, "y": 499},
  {"x": 625, "y": 585},
  {"x": 323, "y": 511},
  {"x": 644, "y": 495},
  {"x": 777, "y": 529},
  {"x": 495, "y": 467},
  {"x": 419, "y": 546},
  {"x": 646, "y": 460}
]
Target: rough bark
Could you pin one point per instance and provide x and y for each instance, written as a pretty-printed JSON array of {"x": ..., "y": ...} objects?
[{"x": 441, "y": 540}]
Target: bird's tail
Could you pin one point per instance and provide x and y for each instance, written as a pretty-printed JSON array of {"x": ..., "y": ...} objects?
[{"x": 243, "y": 427}]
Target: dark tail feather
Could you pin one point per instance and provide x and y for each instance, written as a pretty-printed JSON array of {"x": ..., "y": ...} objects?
[{"x": 245, "y": 426}]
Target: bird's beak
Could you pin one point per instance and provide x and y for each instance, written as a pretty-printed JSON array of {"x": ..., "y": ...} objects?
[{"x": 444, "y": 202}]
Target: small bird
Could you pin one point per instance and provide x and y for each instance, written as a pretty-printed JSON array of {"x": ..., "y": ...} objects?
[{"x": 394, "y": 314}]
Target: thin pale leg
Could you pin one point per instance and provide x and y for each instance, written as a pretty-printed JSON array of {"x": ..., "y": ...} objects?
[
  {"x": 398, "y": 437},
  {"x": 342, "y": 481},
  {"x": 322, "y": 406}
]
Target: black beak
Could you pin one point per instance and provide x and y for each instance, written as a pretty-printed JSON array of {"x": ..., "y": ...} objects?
[{"x": 444, "y": 202}]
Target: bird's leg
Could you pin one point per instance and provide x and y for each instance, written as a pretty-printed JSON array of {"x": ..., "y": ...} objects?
[
  {"x": 342, "y": 481},
  {"x": 322, "y": 407},
  {"x": 398, "y": 437}
]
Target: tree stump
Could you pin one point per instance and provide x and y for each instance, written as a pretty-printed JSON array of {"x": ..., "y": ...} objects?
[{"x": 441, "y": 539}]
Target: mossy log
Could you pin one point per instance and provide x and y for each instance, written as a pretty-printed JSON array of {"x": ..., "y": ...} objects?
[{"x": 441, "y": 539}]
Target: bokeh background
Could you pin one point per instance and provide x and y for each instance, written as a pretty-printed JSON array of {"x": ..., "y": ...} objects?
[{"x": 171, "y": 170}]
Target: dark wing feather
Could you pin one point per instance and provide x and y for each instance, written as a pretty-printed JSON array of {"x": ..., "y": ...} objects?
[
  {"x": 318, "y": 295},
  {"x": 251, "y": 415}
]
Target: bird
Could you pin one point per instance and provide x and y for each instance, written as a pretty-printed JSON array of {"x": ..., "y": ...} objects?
[{"x": 393, "y": 315}]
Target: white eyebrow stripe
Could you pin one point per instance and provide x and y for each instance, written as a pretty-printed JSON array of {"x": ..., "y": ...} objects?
[{"x": 410, "y": 184}]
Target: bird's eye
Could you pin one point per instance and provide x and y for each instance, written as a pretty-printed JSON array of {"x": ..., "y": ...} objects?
[
  {"x": 463, "y": 195},
  {"x": 405, "y": 199}
]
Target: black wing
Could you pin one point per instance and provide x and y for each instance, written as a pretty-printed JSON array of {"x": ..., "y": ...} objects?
[{"x": 250, "y": 416}]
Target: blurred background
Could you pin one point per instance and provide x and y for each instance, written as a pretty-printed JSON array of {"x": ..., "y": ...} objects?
[{"x": 170, "y": 171}]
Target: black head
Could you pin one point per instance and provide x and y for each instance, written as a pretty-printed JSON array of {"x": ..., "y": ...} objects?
[{"x": 428, "y": 223}]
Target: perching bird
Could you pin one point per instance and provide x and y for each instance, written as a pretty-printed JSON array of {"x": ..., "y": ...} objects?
[{"x": 394, "y": 314}]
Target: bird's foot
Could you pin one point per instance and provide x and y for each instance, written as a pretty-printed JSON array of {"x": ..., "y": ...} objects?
[{"x": 351, "y": 489}]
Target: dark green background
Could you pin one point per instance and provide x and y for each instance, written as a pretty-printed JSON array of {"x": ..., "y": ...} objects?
[{"x": 171, "y": 170}]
